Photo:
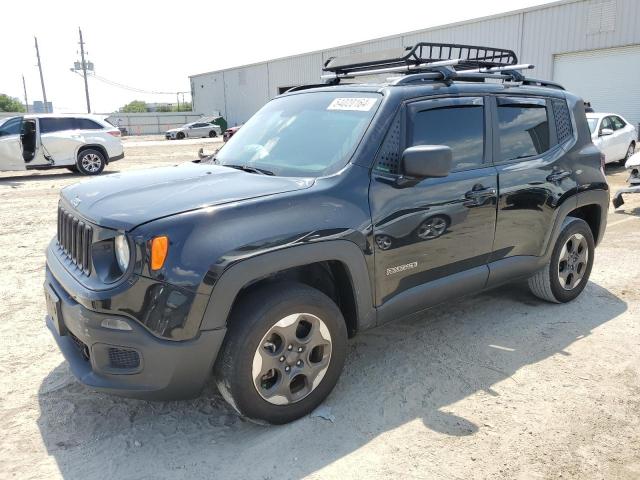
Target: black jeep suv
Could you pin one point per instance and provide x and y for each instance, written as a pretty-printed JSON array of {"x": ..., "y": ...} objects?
[{"x": 334, "y": 209}]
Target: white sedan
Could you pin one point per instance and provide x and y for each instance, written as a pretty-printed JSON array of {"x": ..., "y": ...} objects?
[
  {"x": 613, "y": 135},
  {"x": 194, "y": 130}
]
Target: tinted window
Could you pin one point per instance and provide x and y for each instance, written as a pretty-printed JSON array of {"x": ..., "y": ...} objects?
[
  {"x": 606, "y": 123},
  {"x": 86, "y": 124},
  {"x": 11, "y": 127},
  {"x": 523, "y": 130},
  {"x": 617, "y": 122},
  {"x": 51, "y": 124},
  {"x": 459, "y": 127}
]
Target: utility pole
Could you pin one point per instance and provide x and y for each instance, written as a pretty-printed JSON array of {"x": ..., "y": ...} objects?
[
  {"x": 84, "y": 71},
  {"x": 44, "y": 93},
  {"x": 26, "y": 100}
]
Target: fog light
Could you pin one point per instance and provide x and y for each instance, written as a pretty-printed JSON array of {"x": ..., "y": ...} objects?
[{"x": 115, "y": 324}]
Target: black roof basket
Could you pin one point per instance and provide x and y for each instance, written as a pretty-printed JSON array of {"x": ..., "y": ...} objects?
[
  {"x": 427, "y": 61},
  {"x": 422, "y": 54}
]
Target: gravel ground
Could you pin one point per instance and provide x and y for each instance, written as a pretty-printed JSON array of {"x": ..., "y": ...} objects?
[{"x": 498, "y": 385}]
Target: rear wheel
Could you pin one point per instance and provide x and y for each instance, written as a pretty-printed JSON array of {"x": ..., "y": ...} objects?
[
  {"x": 630, "y": 151},
  {"x": 91, "y": 162},
  {"x": 213, "y": 134},
  {"x": 283, "y": 354},
  {"x": 566, "y": 274}
]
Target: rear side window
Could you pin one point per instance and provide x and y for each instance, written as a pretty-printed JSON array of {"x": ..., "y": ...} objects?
[
  {"x": 11, "y": 127},
  {"x": 52, "y": 124},
  {"x": 606, "y": 123},
  {"x": 460, "y": 127},
  {"x": 523, "y": 128},
  {"x": 86, "y": 124},
  {"x": 617, "y": 122}
]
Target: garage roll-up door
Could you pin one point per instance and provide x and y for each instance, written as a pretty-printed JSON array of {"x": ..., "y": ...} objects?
[{"x": 608, "y": 78}]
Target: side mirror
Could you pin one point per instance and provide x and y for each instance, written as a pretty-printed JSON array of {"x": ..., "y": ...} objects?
[
  {"x": 605, "y": 132},
  {"x": 426, "y": 161}
]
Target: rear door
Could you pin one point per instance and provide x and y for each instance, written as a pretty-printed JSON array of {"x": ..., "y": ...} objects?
[
  {"x": 441, "y": 226},
  {"x": 533, "y": 172},
  {"x": 10, "y": 145},
  {"x": 60, "y": 139}
]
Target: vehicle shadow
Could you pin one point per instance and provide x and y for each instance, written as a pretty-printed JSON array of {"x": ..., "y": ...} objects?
[
  {"x": 31, "y": 176},
  {"x": 413, "y": 369}
]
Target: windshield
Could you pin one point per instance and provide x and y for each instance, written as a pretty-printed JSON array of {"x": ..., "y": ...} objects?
[
  {"x": 593, "y": 123},
  {"x": 312, "y": 134}
]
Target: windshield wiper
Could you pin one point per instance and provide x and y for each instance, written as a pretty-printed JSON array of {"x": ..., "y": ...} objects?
[{"x": 248, "y": 169}]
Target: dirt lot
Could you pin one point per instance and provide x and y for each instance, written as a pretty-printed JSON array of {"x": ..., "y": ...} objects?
[{"x": 500, "y": 385}]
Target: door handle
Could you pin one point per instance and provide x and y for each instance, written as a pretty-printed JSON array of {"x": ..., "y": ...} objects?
[
  {"x": 477, "y": 196},
  {"x": 558, "y": 176}
]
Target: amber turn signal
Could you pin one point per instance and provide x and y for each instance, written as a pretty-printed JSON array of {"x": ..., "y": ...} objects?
[{"x": 159, "y": 249}]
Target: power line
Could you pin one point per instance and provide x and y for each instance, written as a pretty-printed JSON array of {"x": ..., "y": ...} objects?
[{"x": 130, "y": 88}]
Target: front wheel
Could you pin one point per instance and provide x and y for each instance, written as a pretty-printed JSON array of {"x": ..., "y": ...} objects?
[
  {"x": 566, "y": 274},
  {"x": 91, "y": 162},
  {"x": 213, "y": 134},
  {"x": 283, "y": 354}
]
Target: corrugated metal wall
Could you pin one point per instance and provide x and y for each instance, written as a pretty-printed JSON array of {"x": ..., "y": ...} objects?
[{"x": 536, "y": 35}]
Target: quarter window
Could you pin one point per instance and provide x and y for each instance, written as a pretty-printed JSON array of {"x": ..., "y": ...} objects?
[
  {"x": 523, "y": 128},
  {"x": 86, "y": 124},
  {"x": 459, "y": 127}
]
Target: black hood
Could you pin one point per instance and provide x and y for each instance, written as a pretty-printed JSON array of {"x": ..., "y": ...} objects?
[{"x": 125, "y": 200}]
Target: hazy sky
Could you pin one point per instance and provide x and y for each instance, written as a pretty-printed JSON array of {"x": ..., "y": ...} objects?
[{"x": 156, "y": 45}]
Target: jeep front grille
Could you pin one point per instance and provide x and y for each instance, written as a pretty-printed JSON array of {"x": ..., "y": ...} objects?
[{"x": 74, "y": 238}]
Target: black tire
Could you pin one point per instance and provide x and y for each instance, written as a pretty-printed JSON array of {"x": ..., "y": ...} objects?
[
  {"x": 91, "y": 162},
  {"x": 630, "y": 151},
  {"x": 180, "y": 135},
  {"x": 255, "y": 315},
  {"x": 546, "y": 284},
  {"x": 213, "y": 134}
]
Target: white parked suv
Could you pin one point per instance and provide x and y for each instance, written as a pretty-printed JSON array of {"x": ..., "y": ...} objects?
[
  {"x": 81, "y": 143},
  {"x": 613, "y": 135}
]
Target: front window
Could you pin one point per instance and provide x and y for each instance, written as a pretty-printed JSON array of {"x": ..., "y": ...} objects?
[
  {"x": 593, "y": 124},
  {"x": 11, "y": 126},
  {"x": 312, "y": 134}
]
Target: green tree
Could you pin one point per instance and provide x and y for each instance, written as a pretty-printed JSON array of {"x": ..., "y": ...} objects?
[
  {"x": 184, "y": 107},
  {"x": 10, "y": 104},
  {"x": 136, "y": 106}
]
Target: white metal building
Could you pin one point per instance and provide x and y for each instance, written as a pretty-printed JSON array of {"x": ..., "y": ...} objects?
[{"x": 592, "y": 47}]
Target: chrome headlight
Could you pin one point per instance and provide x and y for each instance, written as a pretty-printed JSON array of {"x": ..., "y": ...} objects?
[{"x": 123, "y": 254}]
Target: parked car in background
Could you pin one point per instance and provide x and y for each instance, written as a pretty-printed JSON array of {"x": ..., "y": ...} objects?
[
  {"x": 229, "y": 132},
  {"x": 613, "y": 135},
  {"x": 194, "y": 130},
  {"x": 80, "y": 143}
]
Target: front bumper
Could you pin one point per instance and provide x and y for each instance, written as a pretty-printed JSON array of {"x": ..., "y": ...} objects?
[{"x": 131, "y": 363}]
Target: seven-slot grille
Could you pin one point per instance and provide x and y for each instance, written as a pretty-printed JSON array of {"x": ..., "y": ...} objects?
[{"x": 74, "y": 238}]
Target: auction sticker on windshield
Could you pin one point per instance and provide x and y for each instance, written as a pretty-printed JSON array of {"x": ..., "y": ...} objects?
[{"x": 353, "y": 104}]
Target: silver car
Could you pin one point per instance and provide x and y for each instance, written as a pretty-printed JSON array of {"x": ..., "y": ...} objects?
[{"x": 194, "y": 130}]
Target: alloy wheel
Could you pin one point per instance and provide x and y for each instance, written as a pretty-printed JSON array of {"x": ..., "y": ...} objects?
[
  {"x": 91, "y": 162},
  {"x": 573, "y": 261},
  {"x": 291, "y": 359}
]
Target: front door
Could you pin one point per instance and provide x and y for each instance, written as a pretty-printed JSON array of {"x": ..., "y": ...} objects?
[
  {"x": 11, "y": 146},
  {"x": 441, "y": 226}
]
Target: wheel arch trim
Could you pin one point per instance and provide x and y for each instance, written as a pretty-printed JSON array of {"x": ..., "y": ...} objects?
[{"x": 238, "y": 276}]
